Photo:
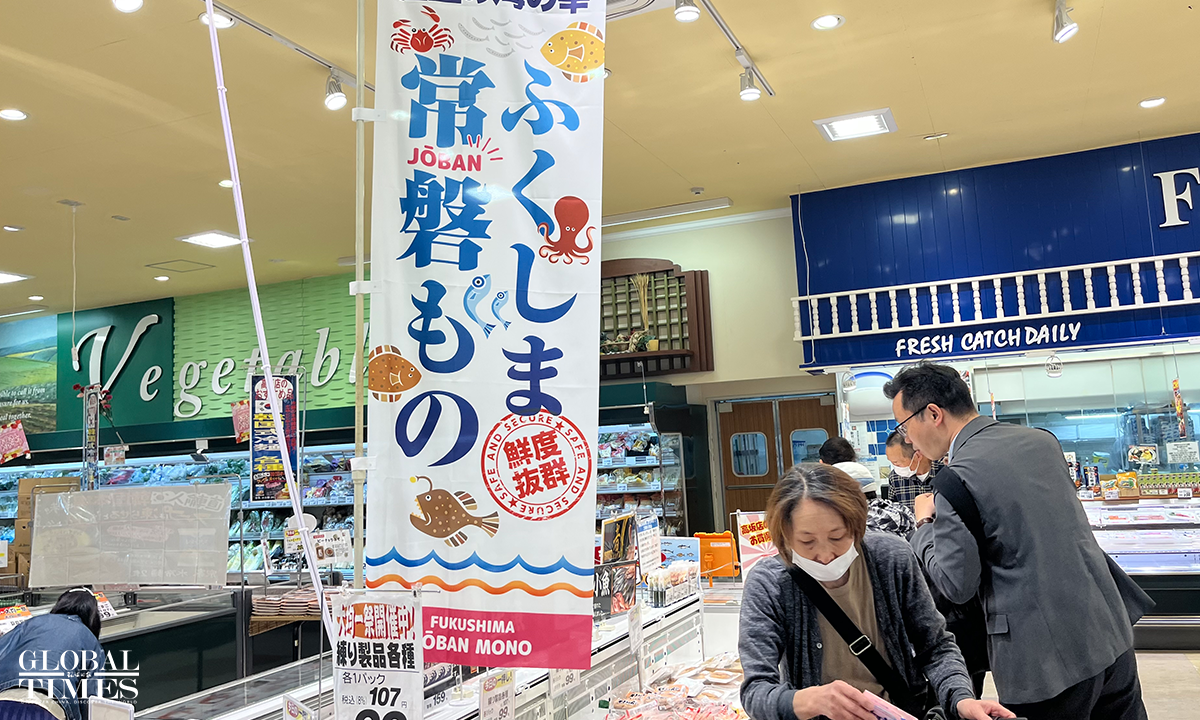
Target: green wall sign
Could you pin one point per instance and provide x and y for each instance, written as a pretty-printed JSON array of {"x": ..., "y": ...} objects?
[
  {"x": 310, "y": 329},
  {"x": 127, "y": 349}
]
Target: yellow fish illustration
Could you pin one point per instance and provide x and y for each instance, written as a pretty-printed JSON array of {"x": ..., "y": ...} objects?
[
  {"x": 444, "y": 515},
  {"x": 577, "y": 51}
]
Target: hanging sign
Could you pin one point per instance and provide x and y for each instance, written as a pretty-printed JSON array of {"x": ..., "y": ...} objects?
[
  {"x": 1179, "y": 453},
  {"x": 1054, "y": 366},
  {"x": 91, "y": 435},
  {"x": 754, "y": 540},
  {"x": 378, "y": 665},
  {"x": 484, "y": 318},
  {"x": 266, "y": 451},
  {"x": 115, "y": 454},
  {"x": 241, "y": 420},
  {"x": 649, "y": 548},
  {"x": 13, "y": 443}
]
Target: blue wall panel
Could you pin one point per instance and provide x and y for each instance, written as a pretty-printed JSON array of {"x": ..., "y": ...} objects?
[{"x": 1095, "y": 206}]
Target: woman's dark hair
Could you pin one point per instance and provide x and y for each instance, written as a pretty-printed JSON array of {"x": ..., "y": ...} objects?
[
  {"x": 819, "y": 483},
  {"x": 927, "y": 384},
  {"x": 837, "y": 450},
  {"x": 82, "y": 604}
]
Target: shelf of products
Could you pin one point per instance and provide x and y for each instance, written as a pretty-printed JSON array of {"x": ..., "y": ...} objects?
[
  {"x": 1149, "y": 537},
  {"x": 640, "y": 470}
]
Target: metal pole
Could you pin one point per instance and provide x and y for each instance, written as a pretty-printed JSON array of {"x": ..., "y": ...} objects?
[{"x": 359, "y": 474}]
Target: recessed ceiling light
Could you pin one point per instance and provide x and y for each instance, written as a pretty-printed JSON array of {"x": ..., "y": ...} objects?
[
  {"x": 13, "y": 228},
  {"x": 1152, "y": 102},
  {"x": 223, "y": 21},
  {"x": 127, "y": 6},
  {"x": 12, "y": 114},
  {"x": 856, "y": 125},
  {"x": 11, "y": 278},
  {"x": 937, "y": 136},
  {"x": 226, "y": 184},
  {"x": 36, "y": 298},
  {"x": 161, "y": 278},
  {"x": 686, "y": 11},
  {"x": 828, "y": 22},
  {"x": 212, "y": 239}
]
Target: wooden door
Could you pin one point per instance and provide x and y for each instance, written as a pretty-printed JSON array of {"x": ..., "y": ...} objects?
[
  {"x": 749, "y": 454},
  {"x": 802, "y": 421}
]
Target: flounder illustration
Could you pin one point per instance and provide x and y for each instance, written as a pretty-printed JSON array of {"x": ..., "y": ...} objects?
[
  {"x": 577, "y": 51},
  {"x": 445, "y": 515},
  {"x": 389, "y": 374}
]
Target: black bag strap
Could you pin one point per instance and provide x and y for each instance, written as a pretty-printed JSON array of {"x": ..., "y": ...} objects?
[
  {"x": 949, "y": 485},
  {"x": 860, "y": 645}
]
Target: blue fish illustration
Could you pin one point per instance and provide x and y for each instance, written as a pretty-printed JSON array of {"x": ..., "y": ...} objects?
[
  {"x": 480, "y": 287},
  {"x": 500, "y": 301}
]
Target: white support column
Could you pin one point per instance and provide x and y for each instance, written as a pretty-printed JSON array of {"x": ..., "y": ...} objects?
[
  {"x": 1185, "y": 278},
  {"x": 955, "y": 302},
  {"x": 1087, "y": 286},
  {"x": 999, "y": 298},
  {"x": 916, "y": 318},
  {"x": 978, "y": 301},
  {"x": 895, "y": 314},
  {"x": 1162, "y": 281},
  {"x": 814, "y": 307},
  {"x": 1021, "y": 295},
  {"x": 1114, "y": 300},
  {"x": 874, "y": 314},
  {"x": 1136, "y": 269},
  {"x": 1065, "y": 277},
  {"x": 1041, "y": 277},
  {"x": 833, "y": 304},
  {"x": 933, "y": 296},
  {"x": 853, "y": 312}
]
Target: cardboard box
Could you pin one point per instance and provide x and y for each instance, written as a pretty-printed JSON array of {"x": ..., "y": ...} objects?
[
  {"x": 25, "y": 493},
  {"x": 23, "y": 565},
  {"x": 23, "y": 535}
]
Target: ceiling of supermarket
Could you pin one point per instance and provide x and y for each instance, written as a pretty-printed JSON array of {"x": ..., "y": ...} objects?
[{"x": 123, "y": 118}]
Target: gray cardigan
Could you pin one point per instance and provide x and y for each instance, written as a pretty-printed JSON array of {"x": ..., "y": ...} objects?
[{"x": 775, "y": 614}]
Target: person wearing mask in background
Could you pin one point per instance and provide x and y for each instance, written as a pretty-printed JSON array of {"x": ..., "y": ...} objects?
[
  {"x": 68, "y": 635},
  {"x": 1059, "y": 612},
  {"x": 883, "y": 515},
  {"x": 912, "y": 476},
  {"x": 912, "y": 472},
  {"x": 796, "y": 664}
]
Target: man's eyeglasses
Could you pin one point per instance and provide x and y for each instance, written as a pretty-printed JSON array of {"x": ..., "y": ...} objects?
[{"x": 902, "y": 429}]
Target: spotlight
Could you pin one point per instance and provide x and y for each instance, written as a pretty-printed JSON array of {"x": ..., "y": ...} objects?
[
  {"x": 1147, "y": 103},
  {"x": 1064, "y": 27},
  {"x": 828, "y": 22},
  {"x": 335, "y": 99},
  {"x": 686, "y": 11},
  {"x": 749, "y": 91},
  {"x": 127, "y": 6}
]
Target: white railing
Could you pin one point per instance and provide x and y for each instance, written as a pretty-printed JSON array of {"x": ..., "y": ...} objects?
[{"x": 1048, "y": 293}]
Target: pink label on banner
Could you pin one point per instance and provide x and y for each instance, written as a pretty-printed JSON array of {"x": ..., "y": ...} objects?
[
  {"x": 494, "y": 639},
  {"x": 241, "y": 420},
  {"x": 12, "y": 441}
]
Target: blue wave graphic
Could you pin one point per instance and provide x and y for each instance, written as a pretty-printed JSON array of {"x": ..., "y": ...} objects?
[{"x": 394, "y": 556}]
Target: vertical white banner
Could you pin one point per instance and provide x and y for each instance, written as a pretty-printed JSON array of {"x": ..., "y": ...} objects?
[
  {"x": 378, "y": 668},
  {"x": 483, "y": 371}
]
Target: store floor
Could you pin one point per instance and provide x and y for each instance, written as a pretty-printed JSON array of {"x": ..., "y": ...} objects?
[{"x": 1170, "y": 684}]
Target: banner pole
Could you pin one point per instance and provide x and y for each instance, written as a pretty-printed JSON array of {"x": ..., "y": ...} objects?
[{"x": 359, "y": 474}]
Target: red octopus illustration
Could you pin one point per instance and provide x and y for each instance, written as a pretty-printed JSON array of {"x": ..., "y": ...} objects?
[
  {"x": 572, "y": 214},
  {"x": 421, "y": 40}
]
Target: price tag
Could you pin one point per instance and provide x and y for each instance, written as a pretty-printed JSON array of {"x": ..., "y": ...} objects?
[
  {"x": 10, "y": 617},
  {"x": 622, "y": 487},
  {"x": 292, "y": 544},
  {"x": 369, "y": 686},
  {"x": 107, "y": 612},
  {"x": 293, "y": 709},
  {"x": 563, "y": 680},
  {"x": 1112, "y": 494},
  {"x": 333, "y": 547},
  {"x": 1086, "y": 494},
  {"x": 1184, "y": 493},
  {"x": 498, "y": 701}
]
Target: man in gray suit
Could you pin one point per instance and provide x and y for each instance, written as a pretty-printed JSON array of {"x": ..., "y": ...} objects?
[{"x": 1059, "y": 612}]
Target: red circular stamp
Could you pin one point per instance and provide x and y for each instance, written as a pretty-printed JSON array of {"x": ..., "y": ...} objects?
[{"x": 536, "y": 467}]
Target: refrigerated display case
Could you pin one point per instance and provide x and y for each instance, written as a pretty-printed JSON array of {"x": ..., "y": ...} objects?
[{"x": 640, "y": 470}]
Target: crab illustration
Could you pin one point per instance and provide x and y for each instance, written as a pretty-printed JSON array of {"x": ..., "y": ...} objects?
[{"x": 421, "y": 39}]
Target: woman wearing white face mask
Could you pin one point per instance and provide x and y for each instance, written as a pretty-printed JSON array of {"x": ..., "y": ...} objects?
[{"x": 797, "y": 664}]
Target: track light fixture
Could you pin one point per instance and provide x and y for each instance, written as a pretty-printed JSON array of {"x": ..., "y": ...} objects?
[
  {"x": 686, "y": 11},
  {"x": 335, "y": 99},
  {"x": 750, "y": 91},
  {"x": 1064, "y": 27}
]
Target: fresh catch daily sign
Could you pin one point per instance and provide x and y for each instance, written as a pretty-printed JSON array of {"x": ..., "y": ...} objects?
[{"x": 483, "y": 368}]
